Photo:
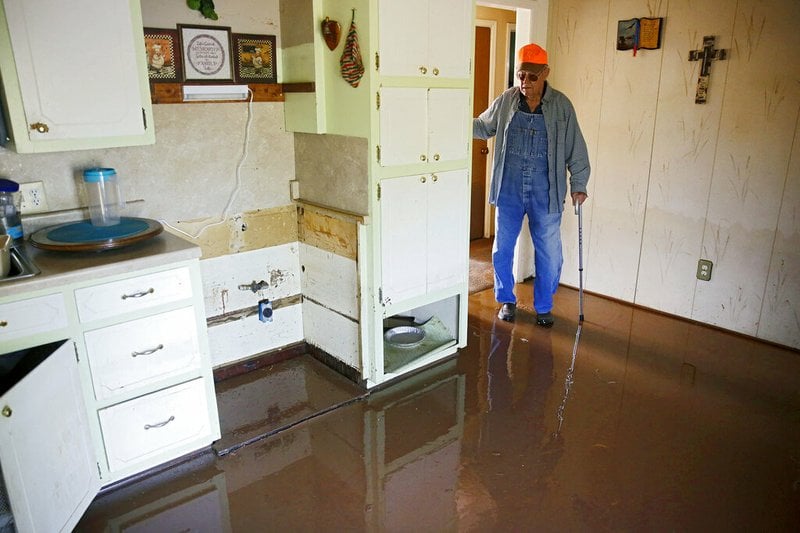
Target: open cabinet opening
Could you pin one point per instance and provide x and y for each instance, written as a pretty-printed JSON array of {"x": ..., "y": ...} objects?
[{"x": 409, "y": 337}]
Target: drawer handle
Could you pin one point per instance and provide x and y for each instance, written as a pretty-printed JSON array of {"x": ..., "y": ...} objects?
[
  {"x": 139, "y": 294},
  {"x": 148, "y": 352},
  {"x": 160, "y": 424}
]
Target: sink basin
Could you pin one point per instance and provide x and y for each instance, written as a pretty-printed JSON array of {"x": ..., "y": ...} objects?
[{"x": 21, "y": 267}]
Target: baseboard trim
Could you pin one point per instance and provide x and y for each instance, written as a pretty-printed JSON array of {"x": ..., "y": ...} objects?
[
  {"x": 260, "y": 361},
  {"x": 336, "y": 365}
]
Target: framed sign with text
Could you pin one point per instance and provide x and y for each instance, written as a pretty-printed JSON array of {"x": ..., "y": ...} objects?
[{"x": 206, "y": 53}]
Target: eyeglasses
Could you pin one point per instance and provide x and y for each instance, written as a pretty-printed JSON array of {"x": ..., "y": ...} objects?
[{"x": 533, "y": 78}]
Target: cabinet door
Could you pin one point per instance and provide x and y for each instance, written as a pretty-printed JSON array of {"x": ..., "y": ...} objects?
[
  {"x": 403, "y": 37},
  {"x": 48, "y": 461},
  {"x": 78, "y": 70},
  {"x": 448, "y": 229},
  {"x": 403, "y": 126},
  {"x": 450, "y": 38},
  {"x": 403, "y": 237},
  {"x": 448, "y": 127}
]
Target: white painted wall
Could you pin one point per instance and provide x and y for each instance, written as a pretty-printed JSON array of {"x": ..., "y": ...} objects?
[{"x": 674, "y": 181}]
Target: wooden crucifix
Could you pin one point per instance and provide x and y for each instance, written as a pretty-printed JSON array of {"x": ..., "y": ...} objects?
[{"x": 706, "y": 55}]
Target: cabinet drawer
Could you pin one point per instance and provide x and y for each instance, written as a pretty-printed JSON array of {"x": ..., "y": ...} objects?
[
  {"x": 134, "y": 294},
  {"x": 32, "y": 316},
  {"x": 136, "y": 353},
  {"x": 155, "y": 425}
]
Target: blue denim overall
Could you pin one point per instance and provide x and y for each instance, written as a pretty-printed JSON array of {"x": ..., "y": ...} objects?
[{"x": 525, "y": 191}]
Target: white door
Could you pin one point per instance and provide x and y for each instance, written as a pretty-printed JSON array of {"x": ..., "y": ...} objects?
[
  {"x": 77, "y": 67},
  {"x": 448, "y": 229},
  {"x": 402, "y": 36},
  {"x": 450, "y": 21},
  {"x": 403, "y": 237},
  {"x": 448, "y": 128},
  {"x": 403, "y": 126},
  {"x": 46, "y": 452}
]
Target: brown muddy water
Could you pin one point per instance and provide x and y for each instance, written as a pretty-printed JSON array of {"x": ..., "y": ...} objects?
[{"x": 663, "y": 425}]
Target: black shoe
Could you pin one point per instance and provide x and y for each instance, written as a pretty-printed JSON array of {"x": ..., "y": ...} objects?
[
  {"x": 545, "y": 320},
  {"x": 507, "y": 312}
]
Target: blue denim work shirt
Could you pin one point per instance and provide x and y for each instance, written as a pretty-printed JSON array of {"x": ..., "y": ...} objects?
[{"x": 566, "y": 148}]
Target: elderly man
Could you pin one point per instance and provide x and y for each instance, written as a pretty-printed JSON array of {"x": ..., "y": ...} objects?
[{"x": 538, "y": 140}]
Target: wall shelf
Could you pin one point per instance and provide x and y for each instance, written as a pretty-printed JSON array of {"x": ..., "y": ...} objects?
[{"x": 172, "y": 93}]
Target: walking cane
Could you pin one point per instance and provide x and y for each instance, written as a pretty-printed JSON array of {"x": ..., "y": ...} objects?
[
  {"x": 579, "y": 212},
  {"x": 571, "y": 371}
]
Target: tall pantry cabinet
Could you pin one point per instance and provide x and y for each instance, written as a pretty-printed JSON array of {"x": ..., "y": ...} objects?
[{"x": 413, "y": 106}]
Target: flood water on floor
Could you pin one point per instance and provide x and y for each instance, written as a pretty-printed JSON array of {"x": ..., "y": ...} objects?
[{"x": 665, "y": 426}]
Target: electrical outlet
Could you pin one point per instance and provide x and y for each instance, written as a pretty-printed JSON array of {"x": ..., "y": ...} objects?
[
  {"x": 704, "y": 267},
  {"x": 265, "y": 311},
  {"x": 32, "y": 198}
]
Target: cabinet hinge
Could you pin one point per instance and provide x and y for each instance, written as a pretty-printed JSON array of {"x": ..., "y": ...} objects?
[
  {"x": 99, "y": 471},
  {"x": 379, "y": 192},
  {"x": 144, "y": 119},
  {"x": 377, "y": 61},
  {"x": 75, "y": 347},
  {"x": 378, "y": 100},
  {"x": 380, "y": 294},
  {"x": 378, "y": 150}
]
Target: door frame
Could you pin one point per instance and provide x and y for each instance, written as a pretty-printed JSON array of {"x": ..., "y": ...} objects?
[{"x": 488, "y": 214}]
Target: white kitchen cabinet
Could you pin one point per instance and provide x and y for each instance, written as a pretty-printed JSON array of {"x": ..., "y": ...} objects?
[
  {"x": 46, "y": 449},
  {"x": 423, "y": 228},
  {"x": 425, "y": 38},
  {"x": 413, "y": 107},
  {"x": 135, "y": 369},
  {"x": 420, "y": 124},
  {"x": 74, "y": 75},
  {"x": 144, "y": 338}
]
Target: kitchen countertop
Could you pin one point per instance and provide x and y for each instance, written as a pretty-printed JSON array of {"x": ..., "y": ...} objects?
[{"x": 60, "y": 268}]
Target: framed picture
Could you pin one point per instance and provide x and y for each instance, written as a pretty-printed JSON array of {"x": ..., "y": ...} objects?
[
  {"x": 254, "y": 58},
  {"x": 162, "y": 47},
  {"x": 206, "y": 53}
]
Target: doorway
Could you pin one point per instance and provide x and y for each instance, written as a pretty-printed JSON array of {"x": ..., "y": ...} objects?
[
  {"x": 480, "y": 150},
  {"x": 494, "y": 29}
]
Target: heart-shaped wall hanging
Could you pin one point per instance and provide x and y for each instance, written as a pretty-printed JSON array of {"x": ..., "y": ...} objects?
[{"x": 331, "y": 32}]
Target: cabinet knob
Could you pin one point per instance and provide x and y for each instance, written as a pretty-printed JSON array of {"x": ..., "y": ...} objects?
[
  {"x": 484, "y": 150},
  {"x": 434, "y": 177},
  {"x": 435, "y": 157},
  {"x": 6, "y": 411},
  {"x": 423, "y": 179},
  {"x": 423, "y": 157},
  {"x": 435, "y": 71},
  {"x": 423, "y": 70},
  {"x": 40, "y": 127},
  {"x": 3, "y": 323}
]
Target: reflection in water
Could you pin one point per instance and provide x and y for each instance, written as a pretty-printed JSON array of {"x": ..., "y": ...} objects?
[
  {"x": 672, "y": 426},
  {"x": 568, "y": 379}
]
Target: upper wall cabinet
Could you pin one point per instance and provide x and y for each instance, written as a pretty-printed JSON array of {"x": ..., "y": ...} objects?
[
  {"x": 74, "y": 75},
  {"x": 423, "y": 125},
  {"x": 425, "y": 38}
]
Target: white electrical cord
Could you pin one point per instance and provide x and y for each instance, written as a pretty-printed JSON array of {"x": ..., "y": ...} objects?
[{"x": 235, "y": 191}]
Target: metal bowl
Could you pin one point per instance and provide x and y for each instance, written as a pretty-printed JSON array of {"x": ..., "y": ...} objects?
[{"x": 404, "y": 336}]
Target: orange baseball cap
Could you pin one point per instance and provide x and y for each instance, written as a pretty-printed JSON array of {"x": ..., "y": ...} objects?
[{"x": 529, "y": 55}]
